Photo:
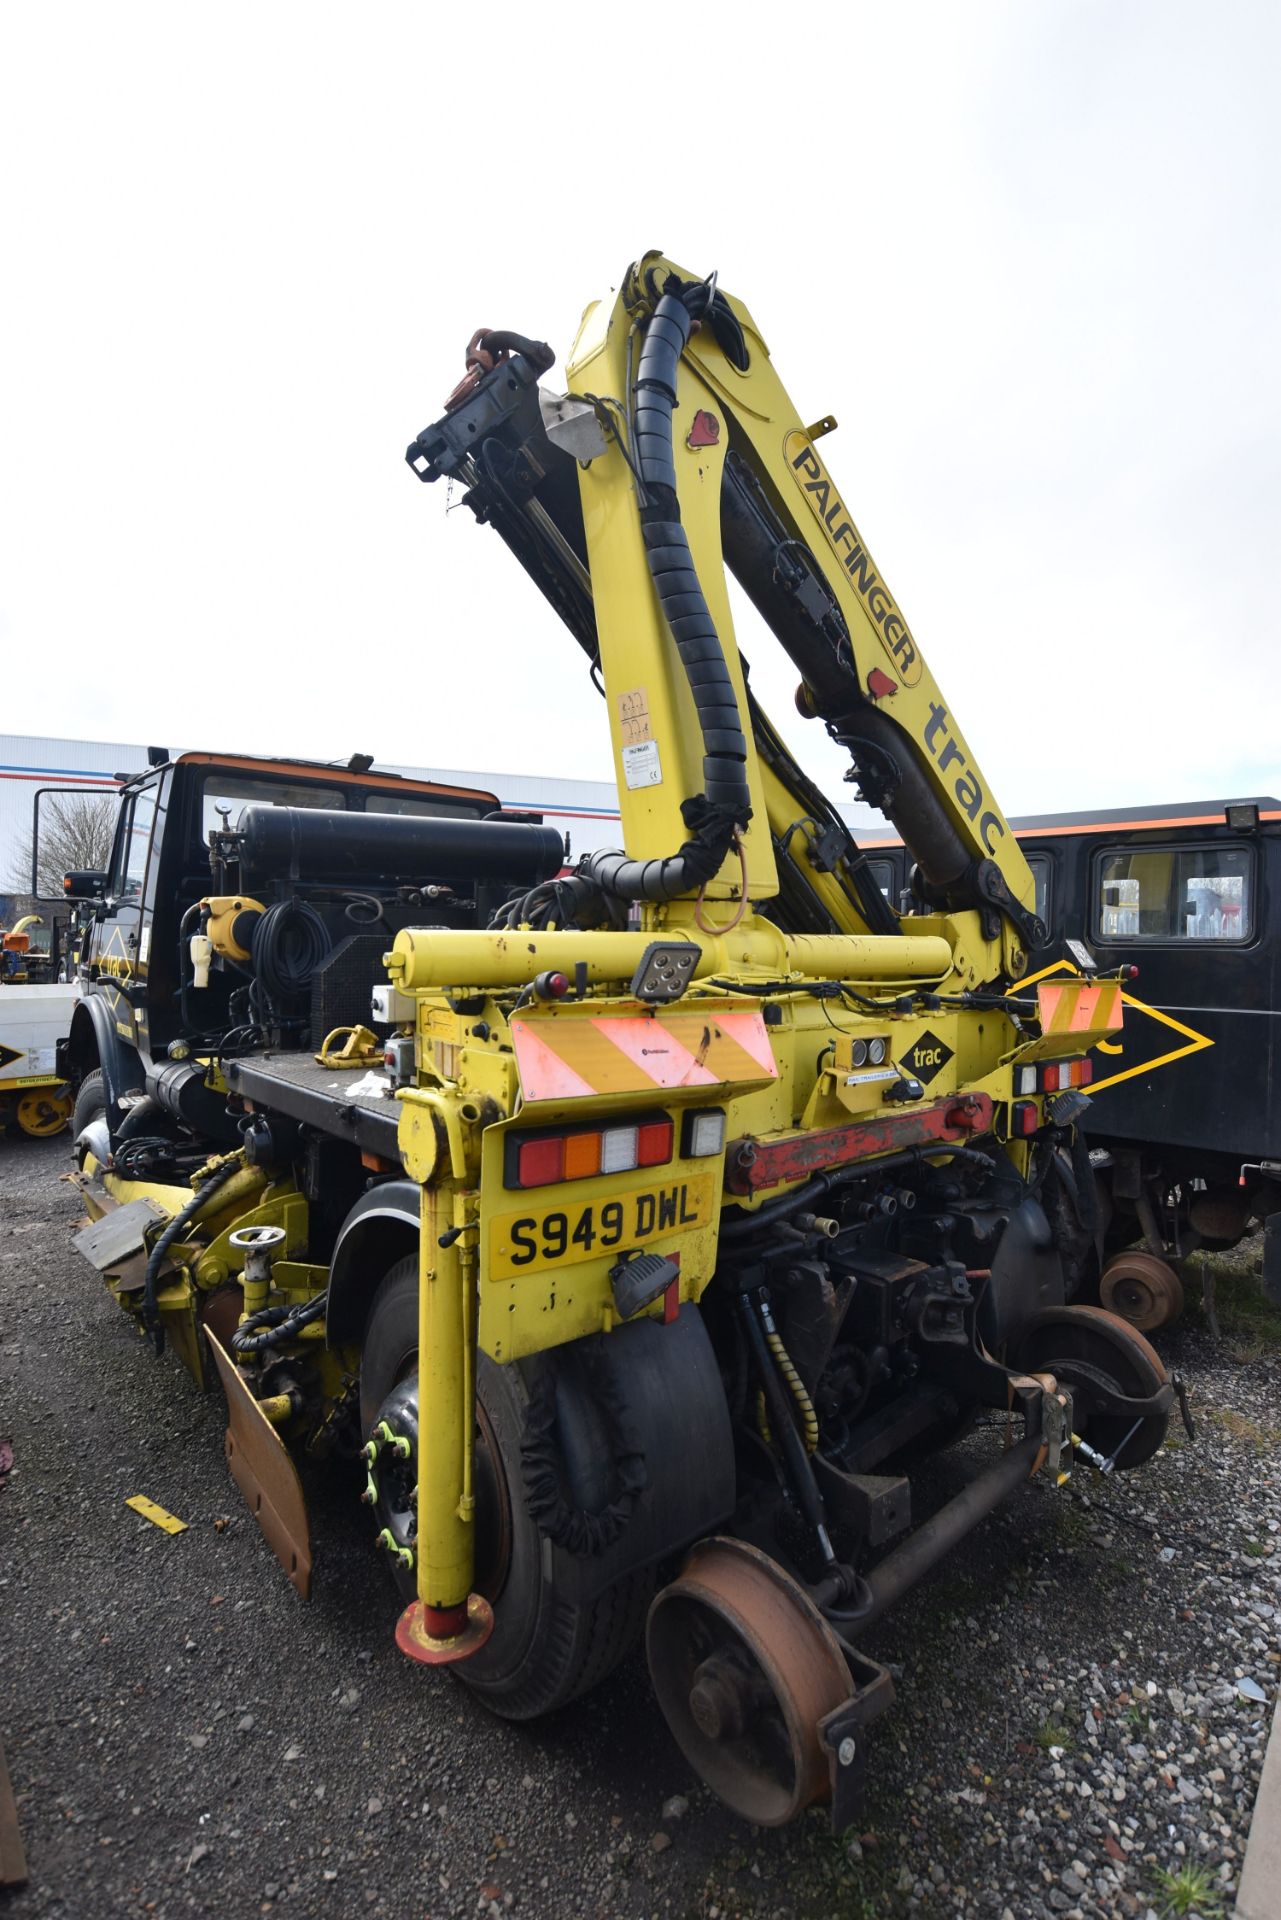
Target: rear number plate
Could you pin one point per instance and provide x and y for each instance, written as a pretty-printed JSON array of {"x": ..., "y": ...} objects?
[{"x": 597, "y": 1229}]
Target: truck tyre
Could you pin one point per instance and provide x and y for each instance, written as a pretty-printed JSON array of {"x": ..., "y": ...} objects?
[
  {"x": 548, "y": 1645},
  {"x": 91, "y": 1103}
]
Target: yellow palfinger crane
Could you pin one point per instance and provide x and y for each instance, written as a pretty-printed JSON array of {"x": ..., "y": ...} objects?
[{"x": 866, "y": 1192}]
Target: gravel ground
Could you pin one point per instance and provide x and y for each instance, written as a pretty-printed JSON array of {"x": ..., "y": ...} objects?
[{"x": 1083, "y": 1704}]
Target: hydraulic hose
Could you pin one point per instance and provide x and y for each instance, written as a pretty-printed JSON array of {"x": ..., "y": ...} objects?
[
  {"x": 290, "y": 941},
  {"x": 150, "y": 1312},
  {"x": 724, "y": 805},
  {"x": 809, "y": 1419},
  {"x": 275, "y": 1326}
]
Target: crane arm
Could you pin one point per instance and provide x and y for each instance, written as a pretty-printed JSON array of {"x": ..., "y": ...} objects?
[{"x": 689, "y": 459}]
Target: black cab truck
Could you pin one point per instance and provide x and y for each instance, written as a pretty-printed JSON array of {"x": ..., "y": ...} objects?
[
  {"x": 1184, "y": 1123},
  {"x": 178, "y": 1049}
]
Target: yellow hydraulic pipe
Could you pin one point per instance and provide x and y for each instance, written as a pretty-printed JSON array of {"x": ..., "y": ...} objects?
[{"x": 432, "y": 957}]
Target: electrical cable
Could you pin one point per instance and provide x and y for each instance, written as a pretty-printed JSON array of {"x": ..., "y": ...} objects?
[{"x": 703, "y": 925}]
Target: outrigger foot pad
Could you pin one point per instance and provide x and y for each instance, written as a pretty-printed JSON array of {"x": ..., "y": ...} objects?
[{"x": 440, "y": 1636}]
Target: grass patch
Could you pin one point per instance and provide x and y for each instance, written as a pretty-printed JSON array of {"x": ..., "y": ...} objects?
[
  {"x": 1250, "y": 1432},
  {"x": 1248, "y": 1320},
  {"x": 1187, "y": 1890},
  {"x": 1051, "y": 1733},
  {"x": 823, "y": 1879},
  {"x": 1071, "y": 1526}
]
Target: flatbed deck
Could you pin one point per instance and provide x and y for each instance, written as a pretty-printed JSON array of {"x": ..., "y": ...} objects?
[{"x": 296, "y": 1085}]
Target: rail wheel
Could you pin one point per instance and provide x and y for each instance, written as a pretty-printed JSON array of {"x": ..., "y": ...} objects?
[
  {"x": 1140, "y": 1287},
  {"x": 745, "y": 1667},
  {"x": 1099, "y": 1355},
  {"x": 550, "y": 1643},
  {"x": 44, "y": 1111}
]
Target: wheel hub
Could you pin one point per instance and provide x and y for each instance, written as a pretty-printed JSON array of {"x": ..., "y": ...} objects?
[
  {"x": 396, "y": 1485},
  {"x": 745, "y": 1667},
  {"x": 44, "y": 1111},
  {"x": 1142, "y": 1288}
]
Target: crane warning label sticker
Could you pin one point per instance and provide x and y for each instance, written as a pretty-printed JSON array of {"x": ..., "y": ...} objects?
[
  {"x": 633, "y": 717},
  {"x": 641, "y": 764},
  {"x": 847, "y": 544}
]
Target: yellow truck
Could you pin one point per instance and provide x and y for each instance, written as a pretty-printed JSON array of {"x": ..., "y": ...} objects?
[{"x": 645, "y": 1226}]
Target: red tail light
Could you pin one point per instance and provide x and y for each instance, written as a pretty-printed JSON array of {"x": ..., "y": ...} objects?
[{"x": 546, "y": 1159}]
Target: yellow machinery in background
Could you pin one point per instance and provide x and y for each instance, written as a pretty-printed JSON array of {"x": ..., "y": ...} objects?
[
  {"x": 34, "y": 1017},
  {"x": 702, "y": 1191}
]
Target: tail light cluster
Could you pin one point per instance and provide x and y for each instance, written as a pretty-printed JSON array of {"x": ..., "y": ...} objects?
[
  {"x": 547, "y": 1158},
  {"x": 1055, "y": 1076}
]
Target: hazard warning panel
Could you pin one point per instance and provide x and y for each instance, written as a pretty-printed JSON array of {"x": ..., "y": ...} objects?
[{"x": 574, "y": 1057}]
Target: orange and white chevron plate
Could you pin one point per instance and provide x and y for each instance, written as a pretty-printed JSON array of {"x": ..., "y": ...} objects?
[{"x": 572, "y": 1058}]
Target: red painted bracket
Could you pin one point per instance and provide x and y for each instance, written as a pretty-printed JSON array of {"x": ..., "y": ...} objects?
[{"x": 751, "y": 1164}]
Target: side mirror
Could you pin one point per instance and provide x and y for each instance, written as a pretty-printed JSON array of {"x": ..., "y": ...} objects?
[{"x": 82, "y": 883}]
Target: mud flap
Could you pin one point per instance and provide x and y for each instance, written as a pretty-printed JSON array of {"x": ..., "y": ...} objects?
[{"x": 261, "y": 1468}]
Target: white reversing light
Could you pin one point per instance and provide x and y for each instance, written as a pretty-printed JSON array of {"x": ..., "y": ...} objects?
[
  {"x": 618, "y": 1150},
  {"x": 704, "y": 1134}
]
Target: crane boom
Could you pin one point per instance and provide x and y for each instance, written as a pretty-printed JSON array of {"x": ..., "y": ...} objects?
[{"x": 735, "y": 479}]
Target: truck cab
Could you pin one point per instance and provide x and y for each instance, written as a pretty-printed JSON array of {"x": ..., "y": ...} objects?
[{"x": 345, "y": 855}]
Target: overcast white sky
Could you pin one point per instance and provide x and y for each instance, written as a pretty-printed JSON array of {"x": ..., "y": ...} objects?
[{"x": 1027, "y": 254}]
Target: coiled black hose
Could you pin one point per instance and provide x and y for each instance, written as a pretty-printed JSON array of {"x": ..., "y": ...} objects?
[
  {"x": 290, "y": 941},
  {"x": 724, "y": 805},
  {"x": 150, "y": 1312}
]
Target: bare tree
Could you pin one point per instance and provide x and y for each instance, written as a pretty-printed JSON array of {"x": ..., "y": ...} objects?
[{"x": 76, "y": 830}]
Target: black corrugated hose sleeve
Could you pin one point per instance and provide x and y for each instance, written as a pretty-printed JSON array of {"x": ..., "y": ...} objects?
[
  {"x": 724, "y": 804},
  {"x": 550, "y": 1506}
]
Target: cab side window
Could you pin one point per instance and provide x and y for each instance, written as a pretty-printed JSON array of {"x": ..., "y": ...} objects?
[
  {"x": 133, "y": 843},
  {"x": 1040, "y": 865},
  {"x": 1198, "y": 894},
  {"x": 882, "y": 871}
]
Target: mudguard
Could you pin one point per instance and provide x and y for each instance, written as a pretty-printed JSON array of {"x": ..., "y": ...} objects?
[
  {"x": 381, "y": 1229},
  {"x": 1027, "y": 1277},
  {"x": 93, "y": 1041},
  {"x": 677, "y": 1406}
]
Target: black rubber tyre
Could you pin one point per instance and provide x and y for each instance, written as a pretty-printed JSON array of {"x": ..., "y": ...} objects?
[
  {"x": 91, "y": 1103},
  {"x": 548, "y": 1646}
]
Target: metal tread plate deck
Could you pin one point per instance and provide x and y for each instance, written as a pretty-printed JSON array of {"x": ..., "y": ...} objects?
[{"x": 296, "y": 1085}]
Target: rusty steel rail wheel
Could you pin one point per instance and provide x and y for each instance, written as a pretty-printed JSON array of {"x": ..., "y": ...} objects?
[
  {"x": 1142, "y": 1288},
  {"x": 745, "y": 1667},
  {"x": 1120, "y": 1389}
]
